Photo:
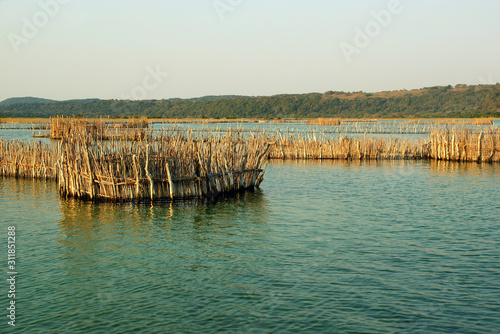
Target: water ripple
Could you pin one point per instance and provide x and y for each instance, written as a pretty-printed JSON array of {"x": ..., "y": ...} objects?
[{"x": 393, "y": 247}]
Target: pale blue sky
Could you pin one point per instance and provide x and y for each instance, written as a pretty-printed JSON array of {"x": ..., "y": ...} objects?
[{"x": 107, "y": 49}]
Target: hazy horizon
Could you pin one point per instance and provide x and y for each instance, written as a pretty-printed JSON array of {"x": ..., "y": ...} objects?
[{"x": 71, "y": 49}]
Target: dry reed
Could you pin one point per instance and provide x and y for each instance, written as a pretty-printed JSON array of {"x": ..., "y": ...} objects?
[
  {"x": 169, "y": 166},
  {"x": 325, "y": 121},
  {"x": 464, "y": 144},
  {"x": 455, "y": 144},
  {"x": 61, "y": 127},
  {"x": 297, "y": 146},
  {"x": 28, "y": 160},
  {"x": 482, "y": 121}
]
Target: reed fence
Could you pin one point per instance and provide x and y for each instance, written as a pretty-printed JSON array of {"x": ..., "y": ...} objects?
[
  {"x": 24, "y": 126},
  {"x": 464, "y": 144},
  {"x": 63, "y": 127},
  {"x": 297, "y": 146},
  {"x": 172, "y": 166},
  {"x": 325, "y": 121},
  {"x": 28, "y": 160},
  {"x": 455, "y": 144}
]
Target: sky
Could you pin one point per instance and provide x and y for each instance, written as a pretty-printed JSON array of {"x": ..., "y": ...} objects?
[{"x": 160, "y": 49}]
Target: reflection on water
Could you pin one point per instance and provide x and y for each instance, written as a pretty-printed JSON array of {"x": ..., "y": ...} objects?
[
  {"x": 86, "y": 215},
  {"x": 179, "y": 256},
  {"x": 229, "y": 222},
  {"x": 464, "y": 169}
]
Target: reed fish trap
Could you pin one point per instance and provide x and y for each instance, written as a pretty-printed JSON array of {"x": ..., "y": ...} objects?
[{"x": 168, "y": 166}]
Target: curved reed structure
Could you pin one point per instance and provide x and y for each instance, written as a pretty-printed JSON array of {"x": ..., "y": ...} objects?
[{"x": 168, "y": 167}]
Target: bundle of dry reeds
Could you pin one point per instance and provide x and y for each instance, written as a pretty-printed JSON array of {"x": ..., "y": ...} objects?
[{"x": 28, "y": 160}]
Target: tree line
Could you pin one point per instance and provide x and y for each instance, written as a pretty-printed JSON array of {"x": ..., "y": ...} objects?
[{"x": 460, "y": 101}]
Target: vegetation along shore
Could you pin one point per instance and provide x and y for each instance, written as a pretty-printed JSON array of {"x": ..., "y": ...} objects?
[{"x": 460, "y": 101}]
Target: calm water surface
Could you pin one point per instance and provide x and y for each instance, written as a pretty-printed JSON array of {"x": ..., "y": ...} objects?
[{"x": 331, "y": 247}]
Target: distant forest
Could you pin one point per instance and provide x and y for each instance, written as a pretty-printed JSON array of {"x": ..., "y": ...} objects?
[{"x": 461, "y": 101}]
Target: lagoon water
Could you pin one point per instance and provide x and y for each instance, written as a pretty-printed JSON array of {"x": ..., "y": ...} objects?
[{"x": 321, "y": 247}]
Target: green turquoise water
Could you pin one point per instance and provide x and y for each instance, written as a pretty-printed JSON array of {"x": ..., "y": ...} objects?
[{"x": 331, "y": 247}]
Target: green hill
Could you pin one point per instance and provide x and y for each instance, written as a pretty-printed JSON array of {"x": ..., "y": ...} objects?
[
  {"x": 460, "y": 101},
  {"x": 28, "y": 99}
]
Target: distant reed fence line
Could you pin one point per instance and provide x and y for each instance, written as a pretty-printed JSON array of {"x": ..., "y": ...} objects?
[
  {"x": 344, "y": 127},
  {"x": 300, "y": 147},
  {"x": 170, "y": 167},
  {"x": 28, "y": 160},
  {"x": 64, "y": 127},
  {"x": 374, "y": 126},
  {"x": 455, "y": 144},
  {"x": 398, "y": 127},
  {"x": 475, "y": 121},
  {"x": 24, "y": 126}
]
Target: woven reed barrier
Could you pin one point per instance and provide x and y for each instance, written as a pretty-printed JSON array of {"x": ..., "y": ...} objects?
[
  {"x": 466, "y": 145},
  {"x": 171, "y": 166},
  {"x": 63, "y": 127},
  {"x": 455, "y": 144},
  {"x": 32, "y": 160},
  {"x": 346, "y": 126},
  {"x": 297, "y": 146}
]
